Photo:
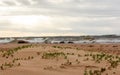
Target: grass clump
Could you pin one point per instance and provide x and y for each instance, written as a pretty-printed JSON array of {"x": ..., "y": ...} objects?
[
  {"x": 94, "y": 72},
  {"x": 50, "y": 55},
  {"x": 10, "y": 52}
]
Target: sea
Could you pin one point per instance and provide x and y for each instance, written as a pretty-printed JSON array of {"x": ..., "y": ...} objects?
[{"x": 41, "y": 40}]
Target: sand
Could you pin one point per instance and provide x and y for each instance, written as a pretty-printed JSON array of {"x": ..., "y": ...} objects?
[{"x": 59, "y": 59}]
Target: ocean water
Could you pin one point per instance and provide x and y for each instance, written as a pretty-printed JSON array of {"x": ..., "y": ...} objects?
[
  {"x": 36, "y": 40},
  {"x": 41, "y": 40},
  {"x": 6, "y": 40},
  {"x": 99, "y": 41}
]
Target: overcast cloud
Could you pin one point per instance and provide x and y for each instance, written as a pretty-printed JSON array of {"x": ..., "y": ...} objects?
[{"x": 59, "y": 17}]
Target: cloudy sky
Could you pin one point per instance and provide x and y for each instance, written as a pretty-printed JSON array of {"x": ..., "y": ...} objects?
[{"x": 59, "y": 17}]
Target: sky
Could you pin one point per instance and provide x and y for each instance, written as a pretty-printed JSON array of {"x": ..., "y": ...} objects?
[{"x": 59, "y": 17}]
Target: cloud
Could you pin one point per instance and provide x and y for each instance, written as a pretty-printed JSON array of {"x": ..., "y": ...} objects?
[
  {"x": 57, "y": 17},
  {"x": 9, "y": 3},
  {"x": 65, "y": 7}
]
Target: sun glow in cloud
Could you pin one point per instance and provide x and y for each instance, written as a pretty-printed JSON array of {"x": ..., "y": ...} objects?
[{"x": 30, "y": 21}]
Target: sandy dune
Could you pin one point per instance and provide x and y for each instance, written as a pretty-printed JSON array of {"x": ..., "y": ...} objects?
[{"x": 60, "y": 59}]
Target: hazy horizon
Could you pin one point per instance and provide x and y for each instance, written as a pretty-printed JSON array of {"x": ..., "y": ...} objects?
[{"x": 20, "y": 18}]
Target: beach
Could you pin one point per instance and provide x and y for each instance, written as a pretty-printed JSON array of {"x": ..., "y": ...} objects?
[{"x": 59, "y": 59}]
